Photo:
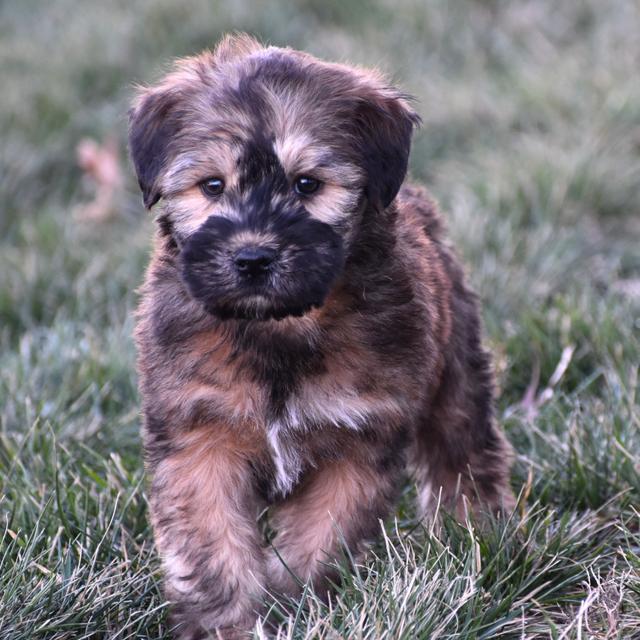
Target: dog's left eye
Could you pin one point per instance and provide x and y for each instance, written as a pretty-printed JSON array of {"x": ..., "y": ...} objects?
[
  {"x": 212, "y": 186},
  {"x": 306, "y": 185}
]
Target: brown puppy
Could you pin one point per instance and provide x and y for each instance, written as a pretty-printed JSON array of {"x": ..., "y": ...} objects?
[{"x": 304, "y": 333}]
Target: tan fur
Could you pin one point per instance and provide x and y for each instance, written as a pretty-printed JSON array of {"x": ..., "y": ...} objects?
[
  {"x": 203, "y": 490},
  {"x": 217, "y": 158},
  {"x": 311, "y": 523}
]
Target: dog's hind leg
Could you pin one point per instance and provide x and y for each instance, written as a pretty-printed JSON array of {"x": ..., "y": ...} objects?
[{"x": 460, "y": 457}]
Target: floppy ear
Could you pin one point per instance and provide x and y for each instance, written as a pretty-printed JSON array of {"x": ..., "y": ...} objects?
[
  {"x": 156, "y": 117},
  {"x": 153, "y": 123},
  {"x": 384, "y": 124}
]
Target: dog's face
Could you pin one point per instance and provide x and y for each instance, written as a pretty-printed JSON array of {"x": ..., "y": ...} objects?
[{"x": 266, "y": 160}]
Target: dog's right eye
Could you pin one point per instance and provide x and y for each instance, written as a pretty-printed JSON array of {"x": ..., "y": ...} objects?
[
  {"x": 306, "y": 185},
  {"x": 212, "y": 187}
]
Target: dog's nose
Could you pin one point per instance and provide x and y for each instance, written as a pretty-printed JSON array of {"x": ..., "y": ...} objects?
[{"x": 253, "y": 261}]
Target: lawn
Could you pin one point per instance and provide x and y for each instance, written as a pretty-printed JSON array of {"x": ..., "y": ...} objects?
[{"x": 531, "y": 144}]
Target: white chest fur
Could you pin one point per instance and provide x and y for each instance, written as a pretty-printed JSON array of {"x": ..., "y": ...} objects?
[{"x": 316, "y": 408}]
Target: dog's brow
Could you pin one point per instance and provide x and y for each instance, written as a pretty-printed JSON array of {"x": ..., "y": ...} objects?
[{"x": 213, "y": 156}]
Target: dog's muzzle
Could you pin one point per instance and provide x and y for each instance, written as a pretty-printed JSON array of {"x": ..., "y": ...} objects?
[{"x": 236, "y": 277}]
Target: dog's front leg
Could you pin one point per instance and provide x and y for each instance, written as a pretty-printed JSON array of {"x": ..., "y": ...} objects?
[
  {"x": 339, "y": 504},
  {"x": 203, "y": 513}
]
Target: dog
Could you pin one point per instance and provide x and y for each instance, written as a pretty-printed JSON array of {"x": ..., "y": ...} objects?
[{"x": 305, "y": 333}]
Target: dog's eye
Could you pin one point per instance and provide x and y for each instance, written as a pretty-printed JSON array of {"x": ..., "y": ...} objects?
[
  {"x": 212, "y": 187},
  {"x": 306, "y": 185}
]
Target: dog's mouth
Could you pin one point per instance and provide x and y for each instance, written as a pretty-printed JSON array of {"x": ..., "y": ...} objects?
[
  {"x": 282, "y": 278},
  {"x": 266, "y": 297},
  {"x": 259, "y": 308}
]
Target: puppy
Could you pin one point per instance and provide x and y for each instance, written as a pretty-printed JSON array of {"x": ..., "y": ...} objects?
[{"x": 304, "y": 332}]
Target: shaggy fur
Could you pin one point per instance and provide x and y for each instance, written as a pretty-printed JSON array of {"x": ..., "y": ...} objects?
[{"x": 310, "y": 384}]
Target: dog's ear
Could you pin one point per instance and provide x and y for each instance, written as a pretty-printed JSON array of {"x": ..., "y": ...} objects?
[
  {"x": 156, "y": 117},
  {"x": 384, "y": 122},
  {"x": 153, "y": 123}
]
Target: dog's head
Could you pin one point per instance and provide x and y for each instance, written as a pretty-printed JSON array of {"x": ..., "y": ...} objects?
[{"x": 265, "y": 159}]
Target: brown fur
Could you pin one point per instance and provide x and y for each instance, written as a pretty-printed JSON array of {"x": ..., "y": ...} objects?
[{"x": 317, "y": 414}]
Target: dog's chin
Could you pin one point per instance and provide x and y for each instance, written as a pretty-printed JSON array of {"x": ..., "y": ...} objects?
[
  {"x": 259, "y": 314},
  {"x": 259, "y": 310}
]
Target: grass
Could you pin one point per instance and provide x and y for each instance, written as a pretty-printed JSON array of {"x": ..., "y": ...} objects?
[{"x": 531, "y": 142}]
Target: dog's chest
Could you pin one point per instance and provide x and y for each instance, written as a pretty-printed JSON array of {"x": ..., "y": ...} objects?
[
  {"x": 303, "y": 413},
  {"x": 321, "y": 411},
  {"x": 303, "y": 400}
]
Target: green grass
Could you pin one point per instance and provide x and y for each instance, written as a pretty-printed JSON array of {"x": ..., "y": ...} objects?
[{"x": 531, "y": 142}]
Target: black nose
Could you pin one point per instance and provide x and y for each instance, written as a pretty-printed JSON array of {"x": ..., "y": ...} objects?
[{"x": 253, "y": 261}]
